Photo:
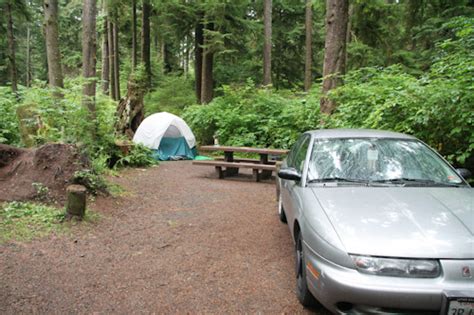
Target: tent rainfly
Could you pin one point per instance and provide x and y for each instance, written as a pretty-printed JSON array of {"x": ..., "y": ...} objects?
[{"x": 168, "y": 135}]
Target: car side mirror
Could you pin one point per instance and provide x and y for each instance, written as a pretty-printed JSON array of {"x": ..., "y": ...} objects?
[
  {"x": 464, "y": 172},
  {"x": 289, "y": 173}
]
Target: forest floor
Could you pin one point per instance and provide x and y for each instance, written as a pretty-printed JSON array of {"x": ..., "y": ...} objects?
[{"x": 177, "y": 240}]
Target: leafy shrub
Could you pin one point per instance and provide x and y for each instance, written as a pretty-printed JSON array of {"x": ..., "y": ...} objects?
[
  {"x": 59, "y": 120},
  {"x": 94, "y": 183},
  {"x": 42, "y": 192},
  {"x": 246, "y": 116},
  {"x": 9, "y": 130},
  {"x": 139, "y": 155}
]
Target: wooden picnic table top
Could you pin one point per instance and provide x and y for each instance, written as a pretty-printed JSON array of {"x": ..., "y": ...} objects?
[{"x": 243, "y": 149}]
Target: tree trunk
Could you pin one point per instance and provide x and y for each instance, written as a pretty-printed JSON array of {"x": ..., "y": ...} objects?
[
  {"x": 28, "y": 57},
  {"x": 116, "y": 61},
  {"x": 413, "y": 18},
  {"x": 105, "y": 58},
  {"x": 130, "y": 110},
  {"x": 308, "y": 44},
  {"x": 110, "y": 39},
  {"x": 55, "y": 74},
  {"x": 349, "y": 31},
  {"x": 167, "y": 63},
  {"x": 186, "y": 56},
  {"x": 146, "y": 39},
  {"x": 134, "y": 34},
  {"x": 267, "y": 48},
  {"x": 334, "y": 49},
  {"x": 198, "y": 42},
  {"x": 11, "y": 48},
  {"x": 89, "y": 58},
  {"x": 207, "y": 81}
]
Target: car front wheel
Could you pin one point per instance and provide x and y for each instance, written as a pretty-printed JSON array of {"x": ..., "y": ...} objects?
[{"x": 302, "y": 292}]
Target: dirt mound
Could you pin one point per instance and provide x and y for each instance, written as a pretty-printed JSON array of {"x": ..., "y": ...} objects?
[{"x": 41, "y": 173}]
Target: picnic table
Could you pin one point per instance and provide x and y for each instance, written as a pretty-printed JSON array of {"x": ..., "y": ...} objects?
[{"x": 229, "y": 165}]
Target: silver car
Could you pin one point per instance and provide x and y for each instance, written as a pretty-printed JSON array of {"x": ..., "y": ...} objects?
[{"x": 381, "y": 224}]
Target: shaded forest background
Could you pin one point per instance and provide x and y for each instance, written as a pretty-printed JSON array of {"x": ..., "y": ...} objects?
[{"x": 409, "y": 67}]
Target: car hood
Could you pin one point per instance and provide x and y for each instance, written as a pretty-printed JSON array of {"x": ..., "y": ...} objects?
[{"x": 402, "y": 221}]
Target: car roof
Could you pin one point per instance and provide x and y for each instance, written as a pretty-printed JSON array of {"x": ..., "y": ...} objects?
[{"x": 357, "y": 133}]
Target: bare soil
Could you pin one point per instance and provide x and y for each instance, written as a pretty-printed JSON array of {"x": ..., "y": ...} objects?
[
  {"x": 179, "y": 240},
  {"x": 51, "y": 167}
]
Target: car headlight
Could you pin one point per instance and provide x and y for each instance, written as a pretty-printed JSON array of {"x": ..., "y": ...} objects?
[{"x": 395, "y": 267}]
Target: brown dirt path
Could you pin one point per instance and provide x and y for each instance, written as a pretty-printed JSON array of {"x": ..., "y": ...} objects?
[{"x": 178, "y": 241}]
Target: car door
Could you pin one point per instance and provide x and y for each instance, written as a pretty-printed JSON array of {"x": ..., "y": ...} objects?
[{"x": 291, "y": 190}]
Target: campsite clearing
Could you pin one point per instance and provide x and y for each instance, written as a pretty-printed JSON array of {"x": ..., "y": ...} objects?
[{"x": 179, "y": 240}]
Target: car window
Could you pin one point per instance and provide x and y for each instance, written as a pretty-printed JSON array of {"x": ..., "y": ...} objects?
[
  {"x": 300, "y": 154},
  {"x": 378, "y": 160},
  {"x": 291, "y": 156}
]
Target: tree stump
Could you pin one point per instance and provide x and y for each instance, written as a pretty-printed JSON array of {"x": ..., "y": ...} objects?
[
  {"x": 76, "y": 201},
  {"x": 130, "y": 110}
]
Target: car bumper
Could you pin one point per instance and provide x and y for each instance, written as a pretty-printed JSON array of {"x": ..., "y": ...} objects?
[{"x": 343, "y": 290}]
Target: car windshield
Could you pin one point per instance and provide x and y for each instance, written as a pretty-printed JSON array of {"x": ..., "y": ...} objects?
[{"x": 379, "y": 160}]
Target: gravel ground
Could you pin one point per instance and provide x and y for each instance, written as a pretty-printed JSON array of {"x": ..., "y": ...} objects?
[{"x": 177, "y": 241}]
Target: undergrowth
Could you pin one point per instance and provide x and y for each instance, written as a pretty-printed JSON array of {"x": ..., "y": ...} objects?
[{"x": 24, "y": 221}]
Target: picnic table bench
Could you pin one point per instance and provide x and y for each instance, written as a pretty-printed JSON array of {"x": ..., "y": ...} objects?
[{"x": 229, "y": 166}]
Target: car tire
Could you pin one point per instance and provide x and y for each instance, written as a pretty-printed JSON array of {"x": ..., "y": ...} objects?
[
  {"x": 302, "y": 292},
  {"x": 281, "y": 211}
]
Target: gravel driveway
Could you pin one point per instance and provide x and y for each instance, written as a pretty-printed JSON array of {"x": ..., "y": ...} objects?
[{"x": 177, "y": 241}]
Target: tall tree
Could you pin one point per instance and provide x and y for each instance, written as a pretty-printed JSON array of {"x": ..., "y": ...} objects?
[
  {"x": 89, "y": 58},
  {"x": 28, "y": 56},
  {"x": 413, "y": 17},
  {"x": 186, "y": 56},
  {"x": 207, "y": 78},
  {"x": 167, "y": 57},
  {"x": 105, "y": 57},
  {"x": 198, "y": 42},
  {"x": 337, "y": 12},
  {"x": 308, "y": 45},
  {"x": 11, "y": 47},
  {"x": 55, "y": 74},
  {"x": 134, "y": 34},
  {"x": 267, "y": 48},
  {"x": 111, "y": 55},
  {"x": 146, "y": 9},
  {"x": 116, "y": 58}
]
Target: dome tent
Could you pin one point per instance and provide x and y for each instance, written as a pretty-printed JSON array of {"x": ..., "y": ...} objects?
[{"x": 168, "y": 135}]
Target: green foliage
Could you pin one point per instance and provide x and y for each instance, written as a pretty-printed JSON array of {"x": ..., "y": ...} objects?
[
  {"x": 436, "y": 107},
  {"x": 26, "y": 220},
  {"x": 246, "y": 116},
  {"x": 172, "y": 95},
  {"x": 138, "y": 156},
  {"x": 42, "y": 192},
  {"x": 9, "y": 130},
  {"x": 62, "y": 120},
  {"x": 94, "y": 183}
]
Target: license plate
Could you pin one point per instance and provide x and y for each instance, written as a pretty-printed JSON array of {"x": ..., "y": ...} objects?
[{"x": 461, "y": 306}]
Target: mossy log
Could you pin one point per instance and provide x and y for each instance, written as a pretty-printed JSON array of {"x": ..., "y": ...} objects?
[{"x": 76, "y": 201}]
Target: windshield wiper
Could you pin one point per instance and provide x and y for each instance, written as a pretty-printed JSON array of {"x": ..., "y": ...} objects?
[
  {"x": 417, "y": 181},
  {"x": 337, "y": 179}
]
